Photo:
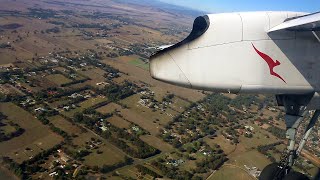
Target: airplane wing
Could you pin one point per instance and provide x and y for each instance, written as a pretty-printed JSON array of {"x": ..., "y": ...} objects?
[{"x": 309, "y": 22}]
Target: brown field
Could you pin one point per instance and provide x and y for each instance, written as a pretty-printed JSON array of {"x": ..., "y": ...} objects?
[
  {"x": 157, "y": 143},
  {"x": 140, "y": 120},
  {"x": 128, "y": 58},
  {"x": 65, "y": 125},
  {"x": 9, "y": 89},
  {"x": 158, "y": 117},
  {"x": 109, "y": 108},
  {"x": 36, "y": 136},
  {"x": 178, "y": 104},
  {"x": 109, "y": 156},
  {"x": 119, "y": 122},
  {"x": 226, "y": 146},
  {"x": 250, "y": 158},
  {"x": 231, "y": 172},
  {"x": 58, "y": 79}
]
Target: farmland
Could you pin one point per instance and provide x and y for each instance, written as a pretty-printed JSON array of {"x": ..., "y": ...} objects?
[{"x": 77, "y": 100}]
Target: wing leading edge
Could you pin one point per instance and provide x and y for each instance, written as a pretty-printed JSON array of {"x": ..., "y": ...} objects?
[{"x": 309, "y": 22}]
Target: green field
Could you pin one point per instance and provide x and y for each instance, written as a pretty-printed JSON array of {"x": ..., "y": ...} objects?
[{"x": 139, "y": 63}]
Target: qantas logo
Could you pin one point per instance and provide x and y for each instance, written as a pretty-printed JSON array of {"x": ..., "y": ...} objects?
[{"x": 271, "y": 63}]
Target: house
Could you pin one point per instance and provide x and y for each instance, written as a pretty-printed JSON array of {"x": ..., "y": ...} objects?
[
  {"x": 249, "y": 128},
  {"x": 134, "y": 128},
  {"x": 53, "y": 174},
  {"x": 103, "y": 128},
  {"x": 39, "y": 109}
]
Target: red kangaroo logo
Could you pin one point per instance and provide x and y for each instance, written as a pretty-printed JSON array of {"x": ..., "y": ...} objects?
[{"x": 270, "y": 63}]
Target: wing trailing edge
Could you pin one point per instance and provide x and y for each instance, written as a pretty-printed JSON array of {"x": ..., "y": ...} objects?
[{"x": 309, "y": 22}]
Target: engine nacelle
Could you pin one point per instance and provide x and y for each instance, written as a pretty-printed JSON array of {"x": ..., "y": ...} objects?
[{"x": 234, "y": 53}]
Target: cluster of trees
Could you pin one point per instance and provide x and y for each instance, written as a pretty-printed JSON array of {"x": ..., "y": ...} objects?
[
  {"x": 116, "y": 92},
  {"x": 93, "y": 25},
  {"x": 11, "y": 26},
  {"x": 244, "y": 100},
  {"x": 168, "y": 98},
  {"x": 56, "y": 22},
  {"x": 52, "y": 30},
  {"x": 265, "y": 148},
  {"x": 279, "y": 133},
  {"x": 18, "y": 131},
  {"x": 41, "y": 13},
  {"x": 75, "y": 82},
  {"x": 211, "y": 163},
  {"x": 141, "y": 149},
  {"x": 4, "y": 45},
  {"x": 217, "y": 102}
]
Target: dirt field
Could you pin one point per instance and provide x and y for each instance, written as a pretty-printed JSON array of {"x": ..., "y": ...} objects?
[{"x": 36, "y": 136}]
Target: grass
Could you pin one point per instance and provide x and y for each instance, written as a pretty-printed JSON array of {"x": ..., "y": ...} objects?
[
  {"x": 230, "y": 172},
  {"x": 139, "y": 63},
  {"x": 58, "y": 79},
  {"x": 36, "y": 136}
]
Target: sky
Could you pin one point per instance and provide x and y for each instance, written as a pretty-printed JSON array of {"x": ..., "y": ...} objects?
[{"x": 219, "y": 6}]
